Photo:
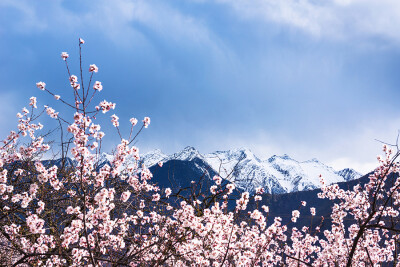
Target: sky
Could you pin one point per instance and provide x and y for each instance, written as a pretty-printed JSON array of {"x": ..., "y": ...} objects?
[{"x": 311, "y": 79}]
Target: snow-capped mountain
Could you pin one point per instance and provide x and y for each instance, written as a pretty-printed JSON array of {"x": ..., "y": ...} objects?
[
  {"x": 152, "y": 158},
  {"x": 278, "y": 174},
  {"x": 348, "y": 174}
]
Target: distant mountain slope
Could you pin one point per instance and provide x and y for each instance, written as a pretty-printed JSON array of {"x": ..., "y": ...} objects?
[{"x": 178, "y": 174}]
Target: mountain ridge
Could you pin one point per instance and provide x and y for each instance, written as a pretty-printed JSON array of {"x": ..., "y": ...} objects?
[{"x": 277, "y": 174}]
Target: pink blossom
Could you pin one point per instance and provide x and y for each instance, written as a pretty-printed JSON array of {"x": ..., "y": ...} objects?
[
  {"x": 76, "y": 86},
  {"x": 265, "y": 208},
  {"x": 35, "y": 224},
  {"x": 51, "y": 112},
  {"x": 125, "y": 196},
  {"x": 133, "y": 121},
  {"x": 33, "y": 189},
  {"x": 156, "y": 197},
  {"x": 41, "y": 207},
  {"x": 106, "y": 106},
  {"x": 64, "y": 55},
  {"x": 260, "y": 190},
  {"x": 97, "y": 86},
  {"x": 94, "y": 145},
  {"x": 230, "y": 188},
  {"x": 146, "y": 122},
  {"x": 3, "y": 176},
  {"x": 168, "y": 192},
  {"x": 41, "y": 85},
  {"x": 33, "y": 102},
  {"x": 74, "y": 82},
  {"x": 312, "y": 210},
  {"x": 73, "y": 79},
  {"x": 114, "y": 120},
  {"x": 93, "y": 68},
  {"x": 217, "y": 180},
  {"x": 295, "y": 215},
  {"x": 213, "y": 189},
  {"x": 3, "y": 189},
  {"x": 100, "y": 135},
  {"x": 139, "y": 213}
]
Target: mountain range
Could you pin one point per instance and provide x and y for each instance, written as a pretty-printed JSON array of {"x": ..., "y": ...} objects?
[{"x": 277, "y": 174}]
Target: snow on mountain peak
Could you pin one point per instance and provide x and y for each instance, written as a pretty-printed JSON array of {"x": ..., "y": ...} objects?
[
  {"x": 349, "y": 174},
  {"x": 153, "y": 157},
  {"x": 277, "y": 174},
  {"x": 284, "y": 157},
  {"x": 188, "y": 153}
]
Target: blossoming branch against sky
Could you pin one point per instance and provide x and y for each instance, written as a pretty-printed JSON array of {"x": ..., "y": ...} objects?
[{"x": 306, "y": 78}]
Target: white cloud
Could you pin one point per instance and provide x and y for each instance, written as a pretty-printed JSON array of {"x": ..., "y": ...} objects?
[
  {"x": 27, "y": 22},
  {"x": 168, "y": 23},
  {"x": 337, "y": 19},
  {"x": 122, "y": 21}
]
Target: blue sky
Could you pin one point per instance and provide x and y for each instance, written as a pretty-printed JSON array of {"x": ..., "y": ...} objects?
[{"x": 313, "y": 79}]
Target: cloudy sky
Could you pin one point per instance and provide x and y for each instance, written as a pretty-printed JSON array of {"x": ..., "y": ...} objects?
[{"x": 312, "y": 79}]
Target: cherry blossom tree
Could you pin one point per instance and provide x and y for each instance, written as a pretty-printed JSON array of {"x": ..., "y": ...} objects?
[{"x": 93, "y": 214}]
